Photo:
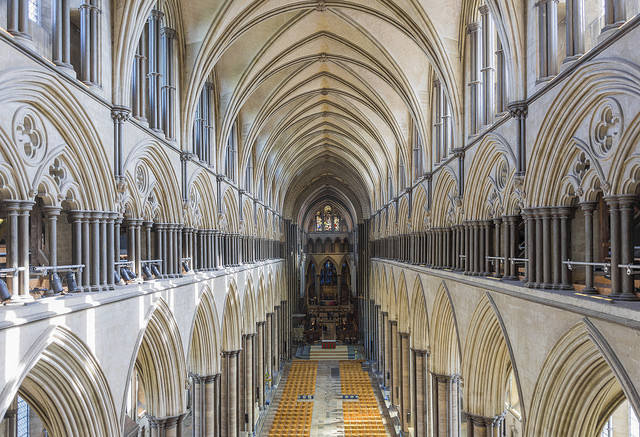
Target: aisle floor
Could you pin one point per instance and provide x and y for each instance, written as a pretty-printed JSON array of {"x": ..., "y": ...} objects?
[{"x": 327, "y": 419}]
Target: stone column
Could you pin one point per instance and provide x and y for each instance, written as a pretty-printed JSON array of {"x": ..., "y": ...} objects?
[
  {"x": 475, "y": 105},
  {"x": 23, "y": 235},
  {"x": 171, "y": 255},
  {"x": 405, "y": 398},
  {"x": 198, "y": 407},
  {"x": 386, "y": 349},
  {"x": 615, "y": 238},
  {"x": 565, "y": 245},
  {"x": 13, "y": 248},
  {"x": 615, "y": 14},
  {"x": 75, "y": 217},
  {"x": 9, "y": 422},
  {"x": 574, "y": 30},
  {"x": 276, "y": 340},
  {"x": 587, "y": 209},
  {"x": 249, "y": 383},
  {"x": 554, "y": 249},
  {"x": 548, "y": 38},
  {"x": 229, "y": 394},
  {"x": 95, "y": 218},
  {"x": 419, "y": 414},
  {"x": 530, "y": 229},
  {"x": 86, "y": 251},
  {"x": 445, "y": 405},
  {"x": 103, "y": 251},
  {"x": 131, "y": 244},
  {"x": 210, "y": 422},
  {"x": 61, "y": 36},
  {"x": 487, "y": 248},
  {"x": 111, "y": 217},
  {"x": 268, "y": 348},
  {"x": 52, "y": 213},
  {"x": 261, "y": 364},
  {"x": 154, "y": 69},
  {"x": 540, "y": 240},
  {"x": 625, "y": 205},
  {"x": 18, "y": 20},
  {"x": 488, "y": 70},
  {"x": 395, "y": 363}
]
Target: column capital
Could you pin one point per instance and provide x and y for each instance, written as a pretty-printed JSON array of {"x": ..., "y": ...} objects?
[
  {"x": 52, "y": 211},
  {"x": 473, "y": 27},
  {"x": 230, "y": 353},
  {"x": 421, "y": 352},
  {"x": 518, "y": 109},
  {"x": 156, "y": 14},
  {"x": 120, "y": 114},
  {"x": 483, "y": 9},
  {"x": 622, "y": 200},
  {"x": 19, "y": 205},
  {"x": 169, "y": 32},
  {"x": 403, "y": 334}
]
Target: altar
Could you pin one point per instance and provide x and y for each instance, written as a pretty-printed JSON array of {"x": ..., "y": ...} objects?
[{"x": 328, "y": 335}]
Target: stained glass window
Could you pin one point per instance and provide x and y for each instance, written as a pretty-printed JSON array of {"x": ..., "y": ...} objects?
[
  {"x": 327, "y": 220},
  {"x": 23, "y": 418},
  {"x": 33, "y": 8}
]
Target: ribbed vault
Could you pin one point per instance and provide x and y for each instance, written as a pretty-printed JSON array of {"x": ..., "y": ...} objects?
[{"x": 325, "y": 97}]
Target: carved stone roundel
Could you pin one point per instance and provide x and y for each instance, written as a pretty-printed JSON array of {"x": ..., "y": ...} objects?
[
  {"x": 29, "y": 135},
  {"x": 606, "y": 127},
  {"x": 502, "y": 172},
  {"x": 142, "y": 178}
]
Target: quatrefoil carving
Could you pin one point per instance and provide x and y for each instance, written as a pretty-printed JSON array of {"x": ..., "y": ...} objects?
[
  {"x": 57, "y": 172},
  {"x": 29, "y": 135},
  {"x": 606, "y": 127}
]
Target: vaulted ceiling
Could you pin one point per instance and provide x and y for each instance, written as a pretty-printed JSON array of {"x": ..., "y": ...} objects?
[{"x": 325, "y": 92}]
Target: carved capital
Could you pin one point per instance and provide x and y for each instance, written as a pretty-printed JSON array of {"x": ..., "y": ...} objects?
[
  {"x": 120, "y": 114},
  {"x": 518, "y": 109}
]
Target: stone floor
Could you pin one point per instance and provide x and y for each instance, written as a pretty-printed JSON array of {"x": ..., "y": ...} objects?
[{"x": 327, "y": 419}]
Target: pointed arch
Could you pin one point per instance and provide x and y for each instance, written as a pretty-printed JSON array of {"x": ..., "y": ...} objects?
[
  {"x": 160, "y": 363},
  {"x": 419, "y": 318},
  {"x": 231, "y": 328},
  {"x": 446, "y": 350},
  {"x": 404, "y": 319},
  {"x": 487, "y": 363},
  {"x": 152, "y": 180},
  {"x": 62, "y": 381},
  {"x": 248, "y": 308},
  {"x": 204, "y": 348},
  {"x": 578, "y": 389}
]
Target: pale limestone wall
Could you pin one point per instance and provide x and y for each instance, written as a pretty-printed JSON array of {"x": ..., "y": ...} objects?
[
  {"x": 534, "y": 322},
  {"x": 111, "y": 324}
]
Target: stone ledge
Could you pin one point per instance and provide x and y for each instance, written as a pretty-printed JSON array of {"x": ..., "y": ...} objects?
[{"x": 620, "y": 312}]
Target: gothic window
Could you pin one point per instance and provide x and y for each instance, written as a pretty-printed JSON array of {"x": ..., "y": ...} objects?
[
  {"x": 326, "y": 220},
  {"x": 229, "y": 161},
  {"x": 203, "y": 125},
  {"x": 402, "y": 183},
  {"x": 418, "y": 167},
  {"x": 248, "y": 177},
  {"x": 328, "y": 274},
  {"x": 34, "y": 11},
  {"x": 442, "y": 132}
]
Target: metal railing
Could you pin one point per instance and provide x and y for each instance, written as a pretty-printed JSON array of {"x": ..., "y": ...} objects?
[
  {"x": 629, "y": 268},
  {"x": 571, "y": 264},
  {"x": 43, "y": 270}
]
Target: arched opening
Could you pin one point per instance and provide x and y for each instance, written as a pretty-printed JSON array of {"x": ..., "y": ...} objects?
[{"x": 44, "y": 399}]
